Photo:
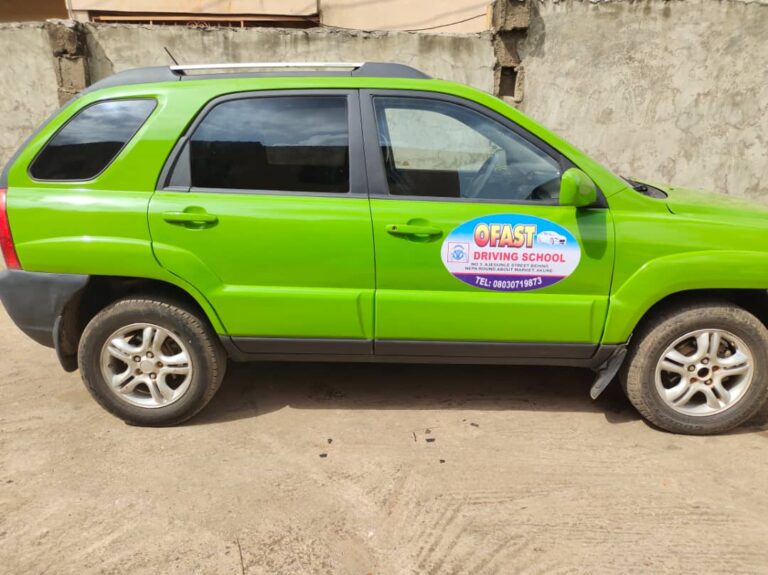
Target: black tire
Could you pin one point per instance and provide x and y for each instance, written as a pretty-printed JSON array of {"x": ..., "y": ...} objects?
[
  {"x": 638, "y": 375},
  {"x": 203, "y": 347}
]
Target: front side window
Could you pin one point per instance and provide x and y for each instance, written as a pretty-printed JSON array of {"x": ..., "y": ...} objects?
[
  {"x": 440, "y": 149},
  {"x": 87, "y": 144},
  {"x": 281, "y": 143}
]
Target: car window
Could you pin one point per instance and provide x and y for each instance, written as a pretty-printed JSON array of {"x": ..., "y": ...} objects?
[
  {"x": 440, "y": 149},
  {"x": 282, "y": 143},
  {"x": 86, "y": 145}
]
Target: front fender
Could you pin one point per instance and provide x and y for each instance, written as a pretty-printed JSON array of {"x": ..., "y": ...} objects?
[{"x": 665, "y": 276}]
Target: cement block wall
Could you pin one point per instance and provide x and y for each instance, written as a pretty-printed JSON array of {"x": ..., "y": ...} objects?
[
  {"x": 466, "y": 58},
  {"x": 28, "y": 68},
  {"x": 672, "y": 91}
]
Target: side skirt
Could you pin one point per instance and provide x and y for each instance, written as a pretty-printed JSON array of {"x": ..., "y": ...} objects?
[{"x": 403, "y": 351}]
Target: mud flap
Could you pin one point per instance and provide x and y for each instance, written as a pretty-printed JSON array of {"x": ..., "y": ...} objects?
[
  {"x": 607, "y": 371},
  {"x": 67, "y": 360}
]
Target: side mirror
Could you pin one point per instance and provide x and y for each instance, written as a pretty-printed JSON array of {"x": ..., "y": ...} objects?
[{"x": 577, "y": 189}]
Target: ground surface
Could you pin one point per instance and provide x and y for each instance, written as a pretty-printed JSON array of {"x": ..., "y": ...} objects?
[{"x": 426, "y": 470}]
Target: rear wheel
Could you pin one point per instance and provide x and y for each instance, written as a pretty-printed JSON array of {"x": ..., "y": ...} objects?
[
  {"x": 699, "y": 370},
  {"x": 150, "y": 362}
]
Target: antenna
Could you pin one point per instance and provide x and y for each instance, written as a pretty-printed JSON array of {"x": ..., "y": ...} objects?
[{"x": 167, "y": 51}]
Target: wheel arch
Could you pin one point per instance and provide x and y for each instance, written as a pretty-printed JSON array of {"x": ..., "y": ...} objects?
[
  {"x": 754, "y": 301},
  {"x": 101, "y": 291},
  {"x": 687, "y": 274}
]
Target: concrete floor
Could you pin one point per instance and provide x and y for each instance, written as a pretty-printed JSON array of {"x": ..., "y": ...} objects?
[{"x": 355, "y": 469}]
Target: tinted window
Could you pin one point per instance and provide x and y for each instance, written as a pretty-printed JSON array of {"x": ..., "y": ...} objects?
[
  {"x": 436, "y": 148},
  {"x": 91, "y": 140},
  {"x": 290, "y": 143}
]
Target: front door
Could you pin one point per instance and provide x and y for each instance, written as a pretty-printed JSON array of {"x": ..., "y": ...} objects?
[
  {"x": 472, "y": 249},
  {"x": 269, "y": 218}
]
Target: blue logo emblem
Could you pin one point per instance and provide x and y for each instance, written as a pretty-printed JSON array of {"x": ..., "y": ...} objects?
[{"x": 458, "y": 252}]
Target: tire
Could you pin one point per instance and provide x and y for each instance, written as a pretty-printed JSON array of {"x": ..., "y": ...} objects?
[
  {"x": 117, "y": 342},
  {"x": 661, "y": 392}
]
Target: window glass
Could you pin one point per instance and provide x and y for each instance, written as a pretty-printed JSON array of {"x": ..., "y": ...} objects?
[
  {"x": 91, "y": 140},
  {"x": 288, "y": 143},
  {"x": 435, "y": 148}
]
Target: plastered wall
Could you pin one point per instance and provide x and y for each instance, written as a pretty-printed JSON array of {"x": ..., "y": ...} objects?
[
  {"x": 671, "y": 91},
  {"x": 664, "y": 90}
]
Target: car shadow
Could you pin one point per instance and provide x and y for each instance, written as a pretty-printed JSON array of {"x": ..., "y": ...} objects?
[{"x": 253, "y": 389}]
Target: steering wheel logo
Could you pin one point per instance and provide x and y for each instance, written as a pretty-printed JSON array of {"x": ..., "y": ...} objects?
[{"x": 458, "y": 252}]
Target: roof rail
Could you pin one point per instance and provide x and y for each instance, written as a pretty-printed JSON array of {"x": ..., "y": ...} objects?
[
  {"x": 265, "y": 65},
  {"x": 207, "y": 71},
  {"x": 366, "y": 69}
]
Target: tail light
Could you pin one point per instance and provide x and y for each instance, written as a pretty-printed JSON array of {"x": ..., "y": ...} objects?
[{"x": 6, "y": 239}]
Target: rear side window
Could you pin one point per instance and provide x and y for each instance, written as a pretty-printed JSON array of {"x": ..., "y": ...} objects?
[
  {"x": 91, "y": 140},
  {"x": 281, "y": 143}
]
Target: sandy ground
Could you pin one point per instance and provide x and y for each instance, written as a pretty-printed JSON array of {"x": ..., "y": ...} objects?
[{"x": 356, "y": 469}]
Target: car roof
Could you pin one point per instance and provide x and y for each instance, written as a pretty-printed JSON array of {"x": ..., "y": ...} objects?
[{"x": 180, "y": 72}]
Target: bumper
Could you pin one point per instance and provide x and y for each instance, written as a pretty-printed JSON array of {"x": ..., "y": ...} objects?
[{"x": 36, "y": 300}]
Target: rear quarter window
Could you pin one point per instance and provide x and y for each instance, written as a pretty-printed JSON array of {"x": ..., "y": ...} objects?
[{"x": 86, "y": 145}]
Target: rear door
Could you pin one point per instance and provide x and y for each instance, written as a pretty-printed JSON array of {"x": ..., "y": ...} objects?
[
  {"x": 266, "y": 212},
  {"x": 474, "y": 255}
]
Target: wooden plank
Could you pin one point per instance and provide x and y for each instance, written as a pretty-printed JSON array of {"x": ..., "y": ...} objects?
[
  {"x": 97, "y": 17},
  {"x": 201, "y": 7}
]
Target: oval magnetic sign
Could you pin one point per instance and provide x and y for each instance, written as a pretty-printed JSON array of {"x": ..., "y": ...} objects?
[{"x": 510, "y": 252}]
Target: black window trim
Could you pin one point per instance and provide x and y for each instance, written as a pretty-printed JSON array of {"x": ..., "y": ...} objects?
[
  {"x": 173, "y": 180},
  {"x": 111, "y": 161},
  {"x": 378, "y": 185}
]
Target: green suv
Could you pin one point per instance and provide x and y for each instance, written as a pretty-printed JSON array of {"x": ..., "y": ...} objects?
[{"x": 170, "y": 218}]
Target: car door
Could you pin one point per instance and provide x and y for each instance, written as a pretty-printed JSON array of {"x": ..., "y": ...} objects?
[
  {"x": 474, "y": 255},
  {"x": 266, "y": 212}
]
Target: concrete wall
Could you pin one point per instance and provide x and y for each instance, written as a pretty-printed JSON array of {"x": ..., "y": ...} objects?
[
  {"x": 34, "y": 71},
  {"x": 28, "y": 83},
  {"x": 669, "y": 91},
  {"x": 464, "y": 58}
]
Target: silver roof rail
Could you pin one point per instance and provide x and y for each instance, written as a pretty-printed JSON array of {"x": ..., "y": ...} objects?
[
  {"x": 178, "y": 72},
  {"x": 266, "y": 65},
  {"x": 363, "y": 69}
]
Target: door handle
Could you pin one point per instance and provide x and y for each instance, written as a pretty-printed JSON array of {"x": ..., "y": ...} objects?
[
  {"x": 411, "y": 230},
  {"x": 190, "y": 218}
]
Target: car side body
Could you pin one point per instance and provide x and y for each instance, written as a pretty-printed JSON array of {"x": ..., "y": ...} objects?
[{"x": 328, "y": 276}]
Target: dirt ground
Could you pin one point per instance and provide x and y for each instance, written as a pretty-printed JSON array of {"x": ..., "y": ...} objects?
[{"x": 357, "y": 469}]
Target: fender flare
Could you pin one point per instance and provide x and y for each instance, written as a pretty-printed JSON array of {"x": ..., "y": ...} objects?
[{"x": 677, "y": 273}]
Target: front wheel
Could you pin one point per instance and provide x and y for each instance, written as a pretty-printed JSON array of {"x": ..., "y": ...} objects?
[
  {"x": 150, "y": 362},
  {"x": 699, "y": 370}
]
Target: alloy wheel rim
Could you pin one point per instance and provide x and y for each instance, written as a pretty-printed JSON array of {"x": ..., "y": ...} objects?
[
  {"x": 146, "y": 365},
  {"x": 704, "y": 372}
]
